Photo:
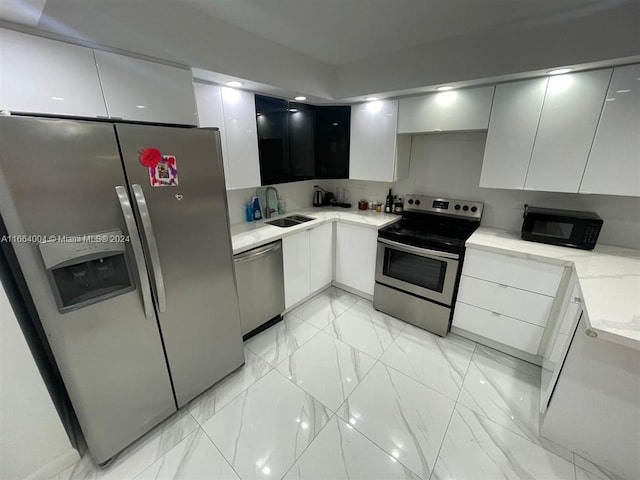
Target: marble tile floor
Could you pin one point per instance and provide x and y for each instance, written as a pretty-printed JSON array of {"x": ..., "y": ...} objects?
[{"x": 338, "y": 390}]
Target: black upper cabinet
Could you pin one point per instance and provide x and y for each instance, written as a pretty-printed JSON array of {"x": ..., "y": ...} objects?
[
  {"x": 272, "y": 117},
  {"x": 297, "y": 141},
  {"x": 301, "y": 140},
  {"x": 332, "y": 142}
]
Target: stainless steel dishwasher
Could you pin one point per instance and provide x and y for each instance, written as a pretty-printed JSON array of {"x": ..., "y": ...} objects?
[{"x": 260, "y": 280}]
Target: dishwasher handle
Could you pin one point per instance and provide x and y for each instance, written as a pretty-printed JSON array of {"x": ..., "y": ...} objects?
[{"x": 257, "y": 253}]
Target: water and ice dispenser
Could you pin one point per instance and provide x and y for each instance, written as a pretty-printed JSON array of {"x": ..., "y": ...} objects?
[{"x": 86, "y": 269}]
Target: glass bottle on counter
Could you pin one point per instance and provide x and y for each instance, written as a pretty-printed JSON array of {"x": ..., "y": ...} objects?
[{"x": 388, "y": 204}]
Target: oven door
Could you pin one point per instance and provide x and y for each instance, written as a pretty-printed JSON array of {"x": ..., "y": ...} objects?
[{"x": 427, "y": 273}]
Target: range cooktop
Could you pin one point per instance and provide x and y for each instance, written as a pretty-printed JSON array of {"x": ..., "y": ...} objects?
[{"x": 435, "y": 223}]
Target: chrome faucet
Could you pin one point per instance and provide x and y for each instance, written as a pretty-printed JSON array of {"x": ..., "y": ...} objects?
[{"x": 267, "y": 209}]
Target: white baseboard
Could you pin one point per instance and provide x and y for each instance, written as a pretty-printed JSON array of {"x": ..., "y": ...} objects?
[
  {"x": 55, "y": 466},
  {"x": 359, "y": 293}
]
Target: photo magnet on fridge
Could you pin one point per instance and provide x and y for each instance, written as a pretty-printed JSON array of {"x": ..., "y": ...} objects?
[{"x": 164, "y": 173}]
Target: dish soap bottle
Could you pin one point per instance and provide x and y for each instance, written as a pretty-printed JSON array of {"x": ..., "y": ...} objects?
[
  {"x": 388, "y": 204},
  {"x": 257, "y": 214}
]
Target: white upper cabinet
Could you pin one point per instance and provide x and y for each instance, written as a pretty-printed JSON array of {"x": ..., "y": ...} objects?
[
  {"x": 242, "y": 138},
  {"x": 570, "y": 114},
  {"x": 376, "y": 152},
  {"x": 512, "y": 132},
  {"x": 45, "y": 76},
  {"x": 614, "y": 161},
  {"x": 136, "y": 89},
  {"x": 234, "y": 113},
  {"x": 453, "y": 110},
  {"x": 210, "y": 114}
]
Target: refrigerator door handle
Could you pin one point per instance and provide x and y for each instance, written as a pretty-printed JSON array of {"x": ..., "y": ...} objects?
[
  {"x": 136, "y": 246},
  {"x": 147, "y": 227}
]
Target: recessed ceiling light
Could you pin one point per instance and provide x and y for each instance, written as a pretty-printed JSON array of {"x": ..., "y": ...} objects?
[
  {"x": 140, "y": 106},
  {"x": 371, "y": 99},
  {"x": 300, "y": 98},
  {"x": 58, "y": 99},
  {"x": 293, "y": 110},
  {"x": 234, "y": 83},
  {"x": 559, "y": 71},
  {"x": 444, "y": 88}
]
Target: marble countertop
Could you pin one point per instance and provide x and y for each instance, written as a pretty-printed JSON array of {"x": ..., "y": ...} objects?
[
  {"x": 245, "y": 236},
  {"x": 608, "y": 276}
]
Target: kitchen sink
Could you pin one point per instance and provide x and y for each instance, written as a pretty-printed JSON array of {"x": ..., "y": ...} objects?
[
  {"x": 290, "y": 221},
  {"x": 300, "y": 218},
  {"x": 283, "y": 222}
]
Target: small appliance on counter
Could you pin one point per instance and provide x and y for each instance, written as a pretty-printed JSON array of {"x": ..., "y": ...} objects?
[
  {"x": 565, "y": 228},
  {"x": 318, "y": 196},
  {"x": 323, "y": 198}
]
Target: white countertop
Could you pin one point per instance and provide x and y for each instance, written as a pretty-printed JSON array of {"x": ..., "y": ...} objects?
[
  {"x": 609, "y": 279},
  {"x": 245, "y": 236}
]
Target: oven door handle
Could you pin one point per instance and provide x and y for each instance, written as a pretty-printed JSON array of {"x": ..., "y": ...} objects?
[{"x": 424, "y": 252}]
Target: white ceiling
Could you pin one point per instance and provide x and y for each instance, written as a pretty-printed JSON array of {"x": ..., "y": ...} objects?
[
  {"x": 342, "y": 49},
  {"x": 343, "y": 31}
]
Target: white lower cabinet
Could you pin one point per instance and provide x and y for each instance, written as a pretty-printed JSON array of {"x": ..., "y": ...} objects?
[
  {"x": 307, "y": 259},
  {"x": 321, "y": 259},
  {"x": 506, "y": 299},
  {"x": 531, "y": 307},
  {"x": 500, "y": 328},
  {"x": 356, "y": 257},
  {"x": 295, "y": 262}
]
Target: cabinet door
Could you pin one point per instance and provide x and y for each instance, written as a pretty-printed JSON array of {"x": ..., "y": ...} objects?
[
  {"x": 512, "y": 130},
  {"x": 239, "y": 111},
  {"x": 570, "y": 113},
  {"x": 301, "y": 140},
  {"x": 356, "y": 257},
  {"x": 372, "y": 152},
  {"x": 332, "y": 142},
  {"x": 295, "y": 262},
  {"x": 321, "y": 258},
  {"x": 614, "y": 161},
  {"x": 453, "y": 110},
  {"x": 210, "y": 114},
  {"x": 136, "y": 89},
  {"x": 273, "y": 139},
  {"x": 45, "y": 76}
]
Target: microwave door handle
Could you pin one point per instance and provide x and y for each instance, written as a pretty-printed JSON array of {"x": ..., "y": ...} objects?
[
  {"x": 147, "y": 228},
  {"x": 136, "y": 246}
]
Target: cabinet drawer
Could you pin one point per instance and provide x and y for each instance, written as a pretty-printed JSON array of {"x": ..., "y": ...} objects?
[
  {"x": 539, "y": 277},
  {"x": 513, "y": 302},
  {"x": 501, "y": 328}
]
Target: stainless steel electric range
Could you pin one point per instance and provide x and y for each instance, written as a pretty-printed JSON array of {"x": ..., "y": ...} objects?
[{"x": 419, "y": 260}]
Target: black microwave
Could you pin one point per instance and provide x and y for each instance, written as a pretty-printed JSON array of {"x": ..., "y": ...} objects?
[{"x": 567, "y": 228}]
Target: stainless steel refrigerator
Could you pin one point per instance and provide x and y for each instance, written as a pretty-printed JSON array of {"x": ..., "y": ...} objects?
[{"x": 129, "y": 266}]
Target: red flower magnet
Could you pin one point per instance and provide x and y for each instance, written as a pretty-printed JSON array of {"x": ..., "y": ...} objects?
[{"x": 150, "y": 157}]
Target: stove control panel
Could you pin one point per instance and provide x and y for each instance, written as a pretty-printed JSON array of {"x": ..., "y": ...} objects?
[{"x": 448, "y": 206}]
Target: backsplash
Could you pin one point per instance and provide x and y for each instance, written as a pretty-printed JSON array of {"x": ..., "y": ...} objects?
[
  {"x": 297, "y": 195},
  {"x": 449, "y": 165}
]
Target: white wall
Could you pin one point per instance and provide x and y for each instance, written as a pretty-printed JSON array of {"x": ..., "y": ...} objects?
[
  {"x": 33, "y": 442},
  {"x": 449, "y": 165}
]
